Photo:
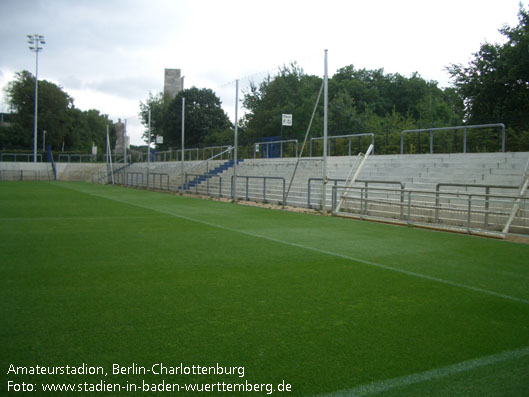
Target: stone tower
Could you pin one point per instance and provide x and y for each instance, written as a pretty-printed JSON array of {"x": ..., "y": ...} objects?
[{"x": 172, "y": 82}]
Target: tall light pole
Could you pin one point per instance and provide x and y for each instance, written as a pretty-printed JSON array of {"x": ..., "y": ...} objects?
[
  {"x": 36, "y": 40},
  {"x": 235, "y": 141},
  {"x": 183, "y": 130},
  {"x": 325, "y": 116}
]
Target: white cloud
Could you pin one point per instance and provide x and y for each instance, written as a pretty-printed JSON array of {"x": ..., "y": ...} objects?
[{"x": 109, "y": 55}]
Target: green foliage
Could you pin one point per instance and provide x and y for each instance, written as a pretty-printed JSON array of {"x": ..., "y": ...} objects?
[
  {"x": 98, "y": 274},
  {"x": 359, "y": 101},
  {"x": 495, "y": 84},
  {"x": 290, "y": 92},
  {"x": 205, "y": 121},
  {"x": 63, "y": 123}
]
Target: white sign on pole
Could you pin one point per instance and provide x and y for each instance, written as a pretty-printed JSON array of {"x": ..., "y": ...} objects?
[
  {"x": 257, "y": 148},
  {"x": 159, "y": 139},
  {"x": 287, "y": 120}
]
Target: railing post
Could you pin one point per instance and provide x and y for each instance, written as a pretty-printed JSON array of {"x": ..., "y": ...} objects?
[
  {"x": 308, "y": 193},
  {"x": 469, "y": 212},
  {"x": 361, "y": 203},
  {"x": 437, "y": 202},
  {"x": 264, "y": 189},
  {"x": 464, "y": 140},
  {"x": 503, "y": 138},
  {"x": 401, "y": 201},
  {"x": 487, "y": 192},
  {"x": 431, "y": 142},
  {"x": 409, "y": 206},
  {"x": 247, "y": 183},
  {"x": 284, "y": 193}
]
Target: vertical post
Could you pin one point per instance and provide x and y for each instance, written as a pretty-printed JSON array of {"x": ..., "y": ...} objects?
[
  {"x": 36, "y": 103},
  {"x": 36, "y": 40},
  {"x": 325, "y": 111},
  {"x": 125, "y": 143},
  {"x": 487, "y": 192},
  {"x": 409, "y": 206},
  {"x": 183, "y": 134},
  {"x": 431, "y": 142},
  {"x": 503, "y": 138},
  {"x": 149, "y": 139},
  {"x": 109, "y": 157},
  {"x": 464, "y": 140},
  {"x": 234, "y": 185},
  {"x": 469, "y": 213},
  {"x": 387, "y": 139}
]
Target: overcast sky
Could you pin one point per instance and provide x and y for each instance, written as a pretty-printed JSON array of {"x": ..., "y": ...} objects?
[{"x": 109, "y": 54}]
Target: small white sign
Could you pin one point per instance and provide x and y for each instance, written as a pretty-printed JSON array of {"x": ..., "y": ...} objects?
[
  {"x": 159, "y": 139},
  {"x": 257, "y": 148},
  {"x": 287, "y": 120}
]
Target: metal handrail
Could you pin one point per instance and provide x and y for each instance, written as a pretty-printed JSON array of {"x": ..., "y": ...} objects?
[
  {"x": 264, "y": 178},
  {"x": 155, "y": 174},
  {"x": 372, "y": 135},
  {"x": 27, "y": 155},
  {"x": 459, "y": 127},
  {"x": 470, "y": 198},
  {"x": 366, "y": 182},
  {"x": 467, "y": 185},
  {"x": 208, "y": 177},
  {"x": 280, "y": 147}
]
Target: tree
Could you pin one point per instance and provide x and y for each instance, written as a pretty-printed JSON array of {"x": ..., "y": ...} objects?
[
  {"x": 495, "y": 84},
  {"x": 203, "y": 117},
  {"x": 290, "y": 92},
  {"x": 360, "y": 101},
  {"x": 158, "y": 107},
  {"x": 63, "y": 123},
  {"x": 53, "y": 108}
]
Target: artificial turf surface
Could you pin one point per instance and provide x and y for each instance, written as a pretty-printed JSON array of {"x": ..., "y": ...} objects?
[{"x": 103, "y": 275}]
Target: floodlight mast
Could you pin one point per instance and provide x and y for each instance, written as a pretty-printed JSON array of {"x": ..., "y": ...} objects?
[
  {"x": 35, "y": 40},
  {"x": 325, "y": 106},
  {"x": 183, "y": 133},
  {"x": 235, "y": 140}
]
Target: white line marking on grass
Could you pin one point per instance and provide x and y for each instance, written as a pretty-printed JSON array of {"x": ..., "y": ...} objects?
[
  {"x": 322, "y": 251},
  {"x": 74, "y": 218},
  {"x": 443, "y": 372}
]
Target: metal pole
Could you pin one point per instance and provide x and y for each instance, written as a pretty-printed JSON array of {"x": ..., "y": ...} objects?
[
  {"x": 431, "y": 142},
  {"x": 125, "y": 144},
  {"x": 109, "y": 157},
  {"x": 325, "y": 106},
  {"x": 149, "y": 139},
  {"x": 183, "y": 133},
  {"x": 234, "y": 186},
  {"x": 36, "y": 40}
]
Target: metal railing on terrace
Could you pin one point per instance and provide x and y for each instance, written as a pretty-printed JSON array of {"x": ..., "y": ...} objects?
[{"x": 470, "y": 212}]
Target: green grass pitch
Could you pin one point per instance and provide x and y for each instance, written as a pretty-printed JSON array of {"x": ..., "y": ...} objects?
[{"x": 101, "y": 275}]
